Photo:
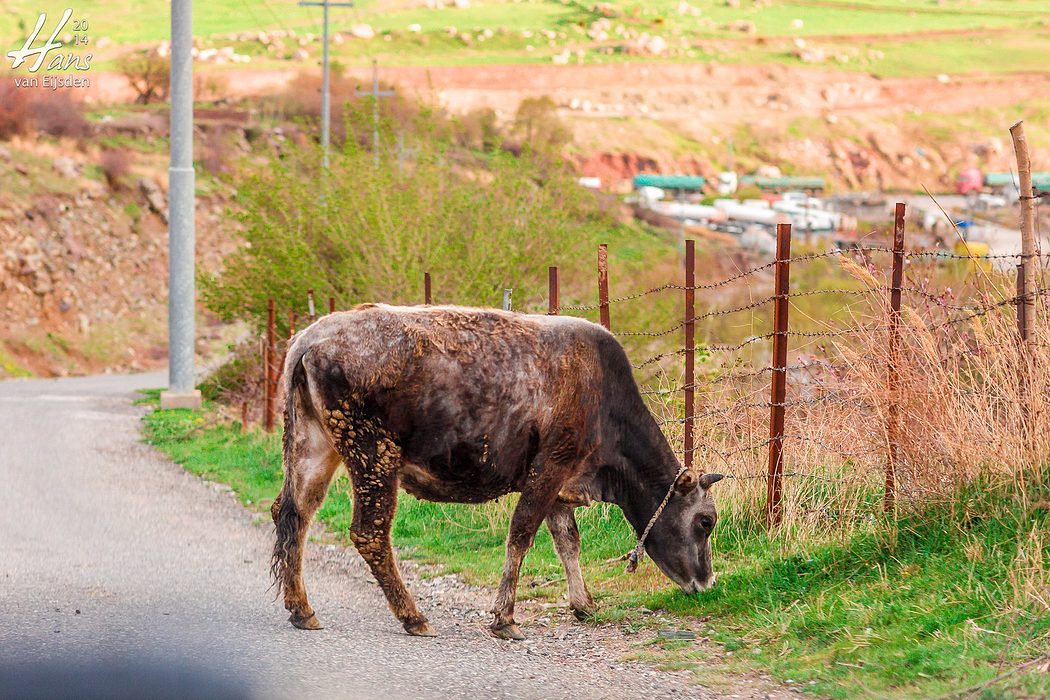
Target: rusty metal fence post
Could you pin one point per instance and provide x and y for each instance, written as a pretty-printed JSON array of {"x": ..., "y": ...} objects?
[
  {"x": 426, "y": 288},
  {"x": 270, "y": 354},
  {"x": 331, "y": 305},
  {"x": 893, "y": 372},
  {"x": 291, "y": 322},
  {"x": 778, "y": 384},
  {"x": 603, "y": 285},
  {"x": 690, "y": 351},
  {"x": 553, "y": 300}
]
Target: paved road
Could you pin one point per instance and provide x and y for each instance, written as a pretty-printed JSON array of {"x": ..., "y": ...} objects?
[{"x": 108, "y": 551}]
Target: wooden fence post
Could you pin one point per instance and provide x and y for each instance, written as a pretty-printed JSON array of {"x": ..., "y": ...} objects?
[
  {"x": 1024, "y": 175},
  {"x": 310, "y": 304},
  {"x": 690, "y": 351},
  {"x": 778, "y": 384},
  {"x": 291, "y": 322},
  {"x": 553, "y": 300},
  {"x": 271, "y": 357},
  {"x": 893, "y": 374},
  {"x": 331, "y": 305},
  {"x": 426, "y": 288},
  {"x": 603, "y": 285}
]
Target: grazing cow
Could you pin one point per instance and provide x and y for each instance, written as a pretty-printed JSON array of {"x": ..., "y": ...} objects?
[{"x": 465, "y": 405}]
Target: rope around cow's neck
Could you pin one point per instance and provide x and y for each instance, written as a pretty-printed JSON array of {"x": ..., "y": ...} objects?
[{"x": 636, "y": 554}]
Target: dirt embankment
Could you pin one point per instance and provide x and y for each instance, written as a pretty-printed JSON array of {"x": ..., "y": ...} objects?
[
  {"x": 859, "y": 130},
  {"x": 83, "y": 272}
]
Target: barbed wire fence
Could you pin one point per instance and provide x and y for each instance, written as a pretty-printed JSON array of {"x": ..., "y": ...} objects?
[{"x": 745, "y": 427}]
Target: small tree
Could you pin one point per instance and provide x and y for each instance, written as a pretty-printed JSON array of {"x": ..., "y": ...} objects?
[
  {"x": 538, "y": 125},
  {"x": 149, "y": 74}
]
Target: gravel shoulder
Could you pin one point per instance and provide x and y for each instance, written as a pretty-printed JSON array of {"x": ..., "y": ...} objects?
[{"x": 110, "y": 551}]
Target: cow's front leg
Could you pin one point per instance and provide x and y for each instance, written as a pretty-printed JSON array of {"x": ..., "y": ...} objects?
[
  {"x": 562, "y": 523},
  {"x": 533, "y": 507}
]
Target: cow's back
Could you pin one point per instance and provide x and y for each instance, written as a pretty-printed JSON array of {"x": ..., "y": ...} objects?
[{"x": 457, "y": 384}]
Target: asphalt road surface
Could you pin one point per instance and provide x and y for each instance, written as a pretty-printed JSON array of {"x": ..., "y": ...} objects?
[{"x": 110, "y": 553}]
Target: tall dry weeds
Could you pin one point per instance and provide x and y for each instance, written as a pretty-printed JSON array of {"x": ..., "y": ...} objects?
[{"x": 971, "y": 404}]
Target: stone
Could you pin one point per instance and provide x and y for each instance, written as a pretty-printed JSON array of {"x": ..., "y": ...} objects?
[
  {"x": 362, "y": 31},
  {"x": 66, "y": 167},
  {"x": 154, "y": 197}
]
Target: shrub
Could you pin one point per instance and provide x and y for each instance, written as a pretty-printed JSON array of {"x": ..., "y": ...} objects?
[
  {"x": 148, "y": 73},
  {"x": 478, "y": 223},
  {"x": 215, "y": 151},
  {"x": 115, "y": 164},
  {"x": 58, "y": 114},
  {"x": 14, "y": 109},
  {"x": 24, "y": 110},
  {"x": 477, "y": 129},
  {"x": 538, "y": 125}
]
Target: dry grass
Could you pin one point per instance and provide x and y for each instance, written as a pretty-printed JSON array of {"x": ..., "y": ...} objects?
[{"x": 970, "y": 403}]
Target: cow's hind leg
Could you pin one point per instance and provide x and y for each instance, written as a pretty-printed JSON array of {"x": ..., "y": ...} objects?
[
  {"x": 534, "y": 505},
  {"x": 374, "y": 459},
  {"x": 562, "y": 523},
  {"x": 310, "y": 463}
]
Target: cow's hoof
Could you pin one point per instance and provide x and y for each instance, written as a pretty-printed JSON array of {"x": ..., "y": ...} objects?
[
  {"x": 508, "y": 631},
  {"x": 305, "y": 623},
  {"x": 584, "y": 613},
  {"x": 420, "y": 629}
]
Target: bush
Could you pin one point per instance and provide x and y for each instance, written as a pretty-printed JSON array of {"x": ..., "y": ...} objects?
[
  {"x": 25, "y": 110},
  {"x": 58, "y": 114},
  {"x": 477, "y": 129},
  {"x": 14, "y": 109},
  {"x": 115, "y": 164},
  {"x": 148, "y": 73},
  {"x": 538, "y": 125},
  {"x": 478, "y": 223}
]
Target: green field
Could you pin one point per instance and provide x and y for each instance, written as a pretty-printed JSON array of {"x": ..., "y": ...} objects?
[
  {"x": 939, "y": 601},
  {"x": 996, "y": 35}
]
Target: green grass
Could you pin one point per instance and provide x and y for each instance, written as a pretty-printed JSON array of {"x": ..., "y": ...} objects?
[
  {"x": 134, "y": 22},
  {"x": 946, "y": 598}
]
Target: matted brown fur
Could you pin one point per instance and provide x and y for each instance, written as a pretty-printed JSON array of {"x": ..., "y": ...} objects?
[{"x": 466, "y": 405}]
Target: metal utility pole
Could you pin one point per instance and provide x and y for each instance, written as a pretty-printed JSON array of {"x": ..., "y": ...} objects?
[
  {"x": 375, "y": 93},
  {"x": 181, "y": 336},
  {"x": 326, "y": 112}
]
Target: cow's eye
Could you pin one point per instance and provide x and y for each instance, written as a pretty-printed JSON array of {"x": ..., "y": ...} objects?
[{"x": 707, "y": 523}]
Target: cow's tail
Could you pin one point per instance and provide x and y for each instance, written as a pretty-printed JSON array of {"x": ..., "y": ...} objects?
[{"x": 287, "y": 520}]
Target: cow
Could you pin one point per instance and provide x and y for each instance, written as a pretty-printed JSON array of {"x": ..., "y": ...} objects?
[{"x": 465, "y": 405}]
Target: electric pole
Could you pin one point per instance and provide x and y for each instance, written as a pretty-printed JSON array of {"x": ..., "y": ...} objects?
[
  {"x": 181, "y": 332},
  {"x": 375, "y": 93},
  {"x": 326, "y": 113}
]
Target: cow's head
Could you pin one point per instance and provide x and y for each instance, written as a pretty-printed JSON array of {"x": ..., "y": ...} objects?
[{"x": 680, "y": 541}]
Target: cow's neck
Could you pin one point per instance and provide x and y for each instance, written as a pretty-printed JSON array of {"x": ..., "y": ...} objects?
[
  {"x": 637, "y": 465},
  {"x": 644, "y": 471}
]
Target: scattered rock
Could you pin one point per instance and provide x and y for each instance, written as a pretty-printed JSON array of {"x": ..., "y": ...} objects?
[
  {"x": 66, "y": 167},
  {"x": 362, "y": 31},
  {"x": 742, "y": 25},
  {"x": 154, "y": 197}
]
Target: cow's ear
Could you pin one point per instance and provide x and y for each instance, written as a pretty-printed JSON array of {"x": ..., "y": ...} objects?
[
  {"x": 686, "y": 482},
  {"x": 709, "y": 480}
]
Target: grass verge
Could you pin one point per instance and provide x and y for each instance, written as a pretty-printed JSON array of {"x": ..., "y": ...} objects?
[{"x": 943, "y": 601}]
